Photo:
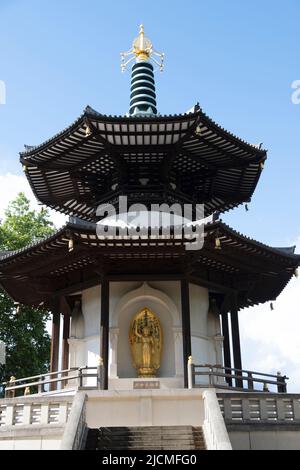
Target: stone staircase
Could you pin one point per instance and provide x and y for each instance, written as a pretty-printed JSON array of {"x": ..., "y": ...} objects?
[{"x": 146, "y": 438}]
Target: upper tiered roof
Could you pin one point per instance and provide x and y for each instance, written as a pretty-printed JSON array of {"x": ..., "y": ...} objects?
[{"x": 185, "y": 158}]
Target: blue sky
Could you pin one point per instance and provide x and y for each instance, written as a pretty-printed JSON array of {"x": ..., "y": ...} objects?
[{"x": 237, "y": 58}]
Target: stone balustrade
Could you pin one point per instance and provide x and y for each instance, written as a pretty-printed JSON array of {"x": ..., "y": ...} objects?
[
  {"x": 26, "y": 411},
  {"x": 264, "y": 408}
]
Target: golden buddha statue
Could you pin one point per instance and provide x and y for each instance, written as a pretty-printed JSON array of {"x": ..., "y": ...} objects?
[{"x": 145, "y": 337}]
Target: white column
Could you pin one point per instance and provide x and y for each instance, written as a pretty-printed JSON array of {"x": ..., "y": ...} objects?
[
  {"x": 113, "y": 352},
  {"x": 177, "y": 331},
  {"x": 77, "y": 352},
  {"x": 219, "y": 340}
]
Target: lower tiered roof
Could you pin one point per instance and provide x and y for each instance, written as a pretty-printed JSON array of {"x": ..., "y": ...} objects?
[{"x": 228, "y": 263}]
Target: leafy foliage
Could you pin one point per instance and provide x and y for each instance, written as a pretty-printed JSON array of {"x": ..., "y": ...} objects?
[{"x": 24, "y": 333}]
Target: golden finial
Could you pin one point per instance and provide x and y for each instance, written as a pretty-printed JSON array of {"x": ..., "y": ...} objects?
[{"x": 142, "y": 50}]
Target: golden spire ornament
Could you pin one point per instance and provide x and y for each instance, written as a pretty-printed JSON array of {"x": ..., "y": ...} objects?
[{"x": 142, "y": 50}]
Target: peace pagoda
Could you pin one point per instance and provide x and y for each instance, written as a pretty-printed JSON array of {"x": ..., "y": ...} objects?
[{"x": 145, "y": 349}]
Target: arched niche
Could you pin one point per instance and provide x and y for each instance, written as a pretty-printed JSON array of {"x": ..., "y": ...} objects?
[{"x": 128, "y": 306}]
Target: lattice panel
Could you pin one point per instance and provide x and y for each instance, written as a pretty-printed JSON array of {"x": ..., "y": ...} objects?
[
  {"x": 53, "y": 413},
  {"x": 2, "y": 415},
  {"x": 35, "y": 413},
  {"x": 237, "y": 409},
  {"x": 288, "y": 409},
  {"x": 18, "y": 417},
  {"x": 254, "y": 409}
]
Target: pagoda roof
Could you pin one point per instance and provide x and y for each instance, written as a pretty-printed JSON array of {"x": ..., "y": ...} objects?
[
  {"x": 253, "y": 271},
  {"x": 184, "y": 158}
]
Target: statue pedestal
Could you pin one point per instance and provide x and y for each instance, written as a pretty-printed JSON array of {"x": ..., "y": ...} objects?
[
  {"x": 146, "y": 384},
  {"x": 165, "y": 383}
]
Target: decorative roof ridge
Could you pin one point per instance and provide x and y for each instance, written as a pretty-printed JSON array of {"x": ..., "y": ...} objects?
[
  {"x": 32, "y": 148},
  {"x": 230, "y": 134},
  {"x": 214, "y": 225},
  {"x": 88, "y": 112},
  {"x": 5, "y": 253},
  {"x": 222, "y": 225},
  {"x": 194, "y": 111},
  {"x": 91, "y": 112},
  {"x": 48, "y": 238}
]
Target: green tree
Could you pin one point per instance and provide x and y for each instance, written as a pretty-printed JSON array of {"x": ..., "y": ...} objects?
[{"x": 24, "y": 332}]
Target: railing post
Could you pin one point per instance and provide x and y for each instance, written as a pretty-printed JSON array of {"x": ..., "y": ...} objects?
[
  {"x": 80, "y": 377},
  {"x": 250, "y": 381},
  {"x": 40, "y": 386},
  {"x": 281, "y": 383},
  {"x": 211, "y": 376},
  {"x": 100, "y": 374},
  {"x": 190, "y": 372},
  {"x": 11, "y": 383}
]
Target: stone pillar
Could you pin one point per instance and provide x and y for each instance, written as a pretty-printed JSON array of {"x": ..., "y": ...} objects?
[
  {"x": 113, "y": 349},
  {"x": 177, "y": 332},
  {"x": 219, "y": 339},
  {"x": 77, "y": 352}
]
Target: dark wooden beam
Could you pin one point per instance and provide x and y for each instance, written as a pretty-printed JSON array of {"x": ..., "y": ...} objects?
[
  {"x": 105, "y": 330},
  {"x": 54, "y": 355},
  {"x": 200, "y": 280},
  {"x": 144, "y": 277},
  {"x": 226, "y": 346},
  {"x": 186, "y": 327},
  {"x": 65, "y": 345},
  {"x": 236, "y": 346}
]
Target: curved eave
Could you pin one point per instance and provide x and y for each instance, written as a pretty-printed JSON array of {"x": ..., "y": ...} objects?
[
  {"x": 91, "y": 116},
  {"x": 217, "y": 168},
  {"x": 112, "y": 125},
  {"x": 259, "y": 272},
  {"x": 228, "y": 238}
]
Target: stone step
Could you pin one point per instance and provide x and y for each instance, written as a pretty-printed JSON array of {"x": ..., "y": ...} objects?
[
  {"x": 153, "y": 446},
  {"x": 150, "y": 430},
  {"x": 146, "y": 438},
  {"x": 133, "y": 431},
  {"x": 149, "y": 435},
  {"x": 150, "y": 438},
  {"x": 155, "y": 439},
  {"x": 92, "y": 439}
]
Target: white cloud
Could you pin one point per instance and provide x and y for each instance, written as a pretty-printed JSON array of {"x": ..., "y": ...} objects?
[
  {"x": 270, "y": 339},
  {"x": 11, "y": 185}
]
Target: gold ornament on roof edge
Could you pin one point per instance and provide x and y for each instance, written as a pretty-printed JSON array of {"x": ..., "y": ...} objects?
[{"x": 145, "y": 338}]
